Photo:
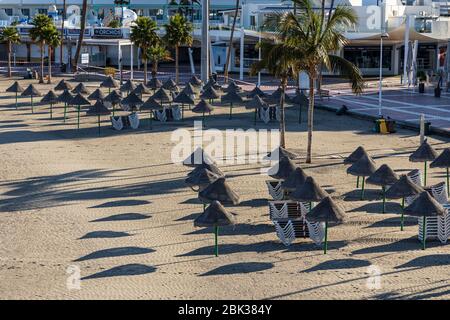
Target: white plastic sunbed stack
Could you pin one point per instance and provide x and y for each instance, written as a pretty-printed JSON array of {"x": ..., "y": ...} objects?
[
  {"x": 437, "y": 227},
  {"x": 415, "y": 177},
  {"x": 118, "y": 124},
  {"x": 275, "y": 191}
]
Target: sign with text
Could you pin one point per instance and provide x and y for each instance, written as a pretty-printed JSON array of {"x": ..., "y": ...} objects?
[{"x": 108, "y": 33}]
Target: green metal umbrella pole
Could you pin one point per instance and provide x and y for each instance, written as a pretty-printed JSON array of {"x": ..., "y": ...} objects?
[
  {"x": 114, "y": 109},
  {"x": 78, "y": 117},
  {"x": 32, "y": 107},
  {"x": 362, "y": 187},
  {"x": 448, "y": 183},
  {"x": 256, "y": 113},
  {"x": 203, "y": 120},
  {"x": 51, "y": 111},
  {"x": 98, "y": 119},
  {"x": 216, "y": 236},
  {"x": 150, "y": 123},
  {"x": 325, "y": 244},
  {"x": 383, "y": 189},
  {"x": 357, "y": 182},
  {"x": 300, "y": 114},
  {"x": 424, "y": 232},
  {"x": 182, "y": 111},
  {"x": 425, "y": 174},
  {"x": 402, "y": 219},
  {"x": 16, "y": 100},
  {"x": 65, "y": 111},
  {"x": 231, "y": 110}
]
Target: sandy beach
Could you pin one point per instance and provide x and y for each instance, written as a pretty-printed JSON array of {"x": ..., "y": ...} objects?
[{"x": 117, "y": 209}]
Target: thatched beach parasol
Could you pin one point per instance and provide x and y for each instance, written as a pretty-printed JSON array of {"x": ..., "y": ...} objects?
[
  {"x": 383, "y": 176},
  {"x": 219, "y": 190},
  {"x": 154, "y": 84},
  {"x": 81, "y": 89},
  {"x": 364, "y": 167},
  {"x": 114, "y": 98},
  {"x": 256, "y": 92},
  {"x": 189, "y": 90},
  {"x": 232, "y": 87},
  {"x": 326, "y": 211},
  {"x": 404, "y": 187},
  {"x": 212, "y": 83},
  {"x": 443, "y": 161},
  {"x": 63, "y": 85},
  {"x": 295, "y": 180},
  {"x": 98, "y": 109},
  {"x": 184, "y": 98},
  {"x": 355, "y": 156},
  {"x": 282, "y": 169},
  {"x": 197, "y": 158},
  {"x": 201, "y": 179},
  {"x": 256, "y": 103},
  {"x": 97, "y": 95},
  {"x": 163, "y": 96},
  {"x": 15, "y": 88},
  {"x": 215, "y": 216},
  {"x": 65, "y": 97},
  {"x": 424, "y": 154},
  {"x": 132, "y": 101},
  {"x": 79, "y": 101},
  {"x": 425, "y": 206},
  {"x": 309, "y": 191},
  {"x": 210, "y": 94},
  {"x": 302, "y": 101},
  {"x": 50, "y": 98},
  {"x": 151, "y": 105},
  {"x": 109, "y": 83},
  {"x": 140, "y": 90},
  {"x": 210, "y": 166},
  {"x": 231, "y": 97},
  {"x": 279, "y": 153},
  {"x": 170, "y": 85},
  {"x": 128, "y": 86},
  {"x": 31, "y": 91},
  {"x": 195, "y": 81},
  {"x": 202, "y": 107}
]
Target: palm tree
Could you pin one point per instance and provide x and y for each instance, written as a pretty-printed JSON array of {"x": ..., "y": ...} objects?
[
  {"x": 308, "y": 40},
  {"x": 178, "y": 33},
  {"x": 143, "y": 34},
  {"x": 10, "y": 36},
  {"x": 282, "y": 65},
  {"x": 156, "y": 54},
  {"x": 53, "y": 40},
  {"x": 81, "y": 36},
  {"x": 37, "y": 33},
  {"x": 230, "y": 43}
]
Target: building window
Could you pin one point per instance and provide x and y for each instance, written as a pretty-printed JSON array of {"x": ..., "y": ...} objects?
[
  {"x": 253, "y": 21},
  {"x": 9, "y": 12},
  {"x": 42, "y": 11},
  {"x": 368, "y": 57},
  {"x": 25, "y": 12}
]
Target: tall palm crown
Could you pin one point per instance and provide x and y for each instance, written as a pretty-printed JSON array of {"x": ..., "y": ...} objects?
[
  {"x": 40, "y": 24},
  {"x": 178, "y": 33},
  {"x": 156, "y": 54},
  {"x": 10, "y": 35},
  {"x": 143, "y": 34},
  {"x": 53, "y": 39},
  {"x": 304, "y": 41}
]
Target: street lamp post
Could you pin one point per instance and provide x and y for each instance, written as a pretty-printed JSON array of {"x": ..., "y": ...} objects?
[
  {"x": 259, "y": 56},
  {"x": 384, "y": 35}
]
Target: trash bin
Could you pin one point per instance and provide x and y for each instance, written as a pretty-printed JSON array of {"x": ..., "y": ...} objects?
[
  {"x": 427, "y": 128},
  {"x": 437, "y": 92},
  {"x": 390, "y": 124},
  {"x": 421, "y": 87},
  {"x": 63, "y": 67}
]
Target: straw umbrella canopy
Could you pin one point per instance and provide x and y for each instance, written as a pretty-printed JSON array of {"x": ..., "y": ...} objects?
[
  {"x": 79, "y": 101},
  {"x": 276, "y": 96},
  {"x": 302, "y": 101},
  {"x": 212, "y": 83},
  {"x": 295, "y": 180},
  {"x": 189, "y": 90},
  {"x": 280, "y": 152},
  {"x": 151, "y": 105},
  {"x": 404, "y": 187},
  {"x": 282, "y": 169},
  {"x": 154, "y": 84},
  {"x": 201, "y": 179},
  {"x": 81, "y": 89},
  {"x": 15, "y": 88},
  {"x": 65, "y": 97},
  {"x": 202, "y": 107},
  {"x": 163, "y": 96},
  {"x": 210, "y": 166},
  {"x": 364, "y": 167},
  {"x": 97, "y": 95},
  {"x": 31, "y": 91},
  {"x": 170, "y": 85},
  {"x": 63, "y": 85},
  {"x": 326, "y": 211},
  {"x": 114, "y": 98},
  {"x": 141, "y": 89},
  {"x": 210, "y": 94},
  {"x": 232, "y": 87},
  {"x": 98, "y": 109},
  {"x": 425, "y": 206},
  {"x": 50, "y": 98},
  {"x": 424, "y": 154},
  {"x": 215, "y": 216},
  {"x": 383, "y": 176},
  {"x": 231, "y": 97},
  {"x": 355, "y": 156},
  {"x": 109, "y": 83},
  {"x": 256, "y": 103},
  {"x": 197, "y": 158},
  {"x": 256, "y": 92},
  {"x": 219, "y": 190},
  {"x": 132, "y": 101},
  {"x": 195, "y": 81},
  {"x": 309, "y": 191},
  {"x": 443, "y": 161},
  {"x": 184, "y": 98},
  {"x": 128, "y": 86}
]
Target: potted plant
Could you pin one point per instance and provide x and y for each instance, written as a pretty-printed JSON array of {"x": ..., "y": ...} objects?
[{"x": 422, "y": 77}]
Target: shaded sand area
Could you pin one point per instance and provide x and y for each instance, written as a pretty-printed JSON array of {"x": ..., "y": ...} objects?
[{"x": 117, "y": 208}]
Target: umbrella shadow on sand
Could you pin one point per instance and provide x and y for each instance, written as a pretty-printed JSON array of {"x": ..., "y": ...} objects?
[
  {"x": 339, "y": 264},
  {"x": 123, "y": 217},
  {"x": 393, "y": 222},
  {"x": 369, "y": 194},
  {"x": 432, "y": 260},
  {"x": 115, "y": 252},
  {"x": 261, "y": 247},
  {"x": 238, "y": 229},
  {"x": 377, "y": 207},
  {"x": 239, "y": 268},
  {"x": 120, "y": 271},
  {"x": 104, "y": 235},
  {"x": 399, "y": 246},
  {"x": 121, "y": 203}
]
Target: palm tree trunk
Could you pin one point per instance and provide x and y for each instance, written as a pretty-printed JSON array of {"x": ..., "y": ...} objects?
[
  {"x": 62, "y": 33},
  {"x": 310, "y": 118},
  {"x": 282, "y": 115},
  {"x": 230, "y": 44},
  {"x": 176, "y": 63},
  {"x": 49, "y": 81},
  {"x": 81, "y": 36},
  {"x": 145, "y": 71},
  {"x": 41, "y": 76},
  {"x": 154, "y": 68},
  {"x": 9, "y": 59}
]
